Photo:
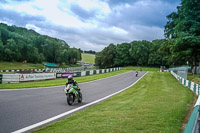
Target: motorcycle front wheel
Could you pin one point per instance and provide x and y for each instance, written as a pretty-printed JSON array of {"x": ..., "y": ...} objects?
[{"x": 70, "y": 99}]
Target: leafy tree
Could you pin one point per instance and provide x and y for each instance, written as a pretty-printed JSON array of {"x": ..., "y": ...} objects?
[
  {"x": 122, "y": 55},
  {"x": 140, "y": 52},
  {"x": 13, "y": 51},
  {"x": 182, "y": 29},
  {"x": 99, "y": 59},
  {"x": 19, "y": 44},
  {"x": 109, "y": 54},
  {"x": 106, "y": 57},
  {"x": 89, "y": 52},
  {"x": 1, "y": 50},
  {"x": 156, "y": 58}
]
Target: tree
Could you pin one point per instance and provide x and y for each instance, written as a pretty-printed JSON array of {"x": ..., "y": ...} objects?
[
  {"x": 98, "y": 59},
  {"x": 182, "y": 29},
  {"x": 106, "y": 57},
  {"x": 1, "y": 50},
  {"x": 122, "y": 55},
  {"x": 13, "y": 52},
  {"x": 156, "y": 58},
  {"x": 18, "y": 44},
  {"x": 109, "y": 54},
  {"x": 140, "y": 51}
]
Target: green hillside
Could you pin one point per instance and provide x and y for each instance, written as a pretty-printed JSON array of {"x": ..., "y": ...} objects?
[
  {"x": 18, "y": 44},
  {"x": 19, "y": 65},
  {"x": 88, "y": 58}
]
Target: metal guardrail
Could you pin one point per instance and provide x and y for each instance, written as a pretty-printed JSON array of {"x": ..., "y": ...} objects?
[
  {"x": 20, "y": 77},
  {"x": 1, "y": 78},
  {"x": 70, "y": 69},
  {"x": 193, "y": 125},
  {"x": 194, "y": 121}
]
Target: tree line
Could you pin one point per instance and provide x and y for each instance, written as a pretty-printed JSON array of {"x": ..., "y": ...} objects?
[
  {"x": 181, "y": 45},
  {"x": 19, "y": 44},
  {"x": 137, "y": 53},
  {"x": 89, "y": 52}
]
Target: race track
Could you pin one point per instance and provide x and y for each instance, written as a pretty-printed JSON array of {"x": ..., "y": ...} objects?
[{"x": 25, "y": 107}]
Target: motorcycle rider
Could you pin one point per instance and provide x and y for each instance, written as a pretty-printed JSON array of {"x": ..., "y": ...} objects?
[
  {"x": 74, "y": 83},
  {"x": 136, "y": 73}
]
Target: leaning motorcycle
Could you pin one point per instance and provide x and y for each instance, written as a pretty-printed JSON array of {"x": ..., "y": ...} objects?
[{"x": 72, "y": 94}]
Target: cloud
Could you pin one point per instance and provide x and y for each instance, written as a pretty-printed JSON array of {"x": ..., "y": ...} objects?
[
  {"x": 91, "y": 24},
  {"x": 113, "y": 3},
  {"x": 149, "y": 13},
  {"x": 82, "y": 13},
  {"x": 19, "y": 19},
  {"x": 3, "y": 1}
]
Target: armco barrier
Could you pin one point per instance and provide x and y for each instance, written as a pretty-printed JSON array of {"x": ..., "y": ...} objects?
[
  {"x": 14, "y": 78},
  {"x": 194, "y": 121},
  {"x": 92, "y": 72},
  {"x": 78, "y": 74},
  {"x": 0, "y": 78},
  {"x": 64, "y": 75},
  {"x": 53, "y": 70},
  {"x": 22, "y": 70},
  {"x": 10, "y": 78}
]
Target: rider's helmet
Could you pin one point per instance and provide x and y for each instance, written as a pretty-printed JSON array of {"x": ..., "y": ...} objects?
[{"x": 70, "y": 78}]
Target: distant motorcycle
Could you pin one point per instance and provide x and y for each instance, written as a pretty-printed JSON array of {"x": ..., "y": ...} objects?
[
  {"x": 72, "y": 94},
  {"x": 136, "y": 74}
]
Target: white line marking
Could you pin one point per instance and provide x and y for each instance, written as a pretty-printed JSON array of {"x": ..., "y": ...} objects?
[
  {"x": 57, "y": 86},
  {"x": 71, "y": 111}
]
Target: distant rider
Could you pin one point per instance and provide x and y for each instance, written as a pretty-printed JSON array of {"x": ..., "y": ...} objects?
[
  {"x": 136, "y": 74},
  {"x": 74, "y": 83}
]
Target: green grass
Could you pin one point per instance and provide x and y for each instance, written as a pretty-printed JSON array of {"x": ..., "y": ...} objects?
[
  {"x": 57, "y": 82},
  {"x": 156, "y": 104},
  {"x": 194, "y": 78},
  {"x": 88, "y": 58},
  {"x": 19, "y": 65},
  {"x": 156, "y": 69}
]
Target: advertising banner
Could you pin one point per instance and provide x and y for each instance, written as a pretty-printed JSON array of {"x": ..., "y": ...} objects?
[
  {"x": 36, "y": 76},
  {"x": 64, "y": 75}
]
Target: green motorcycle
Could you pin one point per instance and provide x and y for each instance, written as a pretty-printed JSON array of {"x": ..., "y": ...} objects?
[{"x": 72, "y": 94}]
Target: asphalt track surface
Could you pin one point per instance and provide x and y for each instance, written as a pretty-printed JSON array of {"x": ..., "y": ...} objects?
[{"x": 25, "y": 107}]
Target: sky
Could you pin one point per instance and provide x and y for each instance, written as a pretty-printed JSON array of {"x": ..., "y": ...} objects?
[{"x": 91, "y": 24}]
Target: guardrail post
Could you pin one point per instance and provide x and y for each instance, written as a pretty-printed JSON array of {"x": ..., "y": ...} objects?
[
  {"x": 1, "y": 78},
  {"x": 94, "y": 72},
  {"x": 100, "y": 71},
  {"x": 87, "y": 73},
  {"x": 189, "y": 84},
  {"x": 78, "y": 74}
]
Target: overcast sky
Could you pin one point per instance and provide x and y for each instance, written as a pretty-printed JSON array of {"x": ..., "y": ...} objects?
[{"x": 91, "y": 24}]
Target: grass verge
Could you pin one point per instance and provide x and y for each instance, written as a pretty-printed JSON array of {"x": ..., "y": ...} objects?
[
  {"x": 19, "y": 65},
  {"x": 194, "y": 78},
  {"x": 157, "y": 103},
  {"x": 57, "y": 82}
]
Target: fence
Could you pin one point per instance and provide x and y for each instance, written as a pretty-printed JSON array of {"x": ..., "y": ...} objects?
[
  {"x": 70, "y": 69},
  {"x": 19, "y": 77},
  {"x": 15, "y": 78},
  {"x": 92, "y": 72},
  {"x": 194, "y": 121}
]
